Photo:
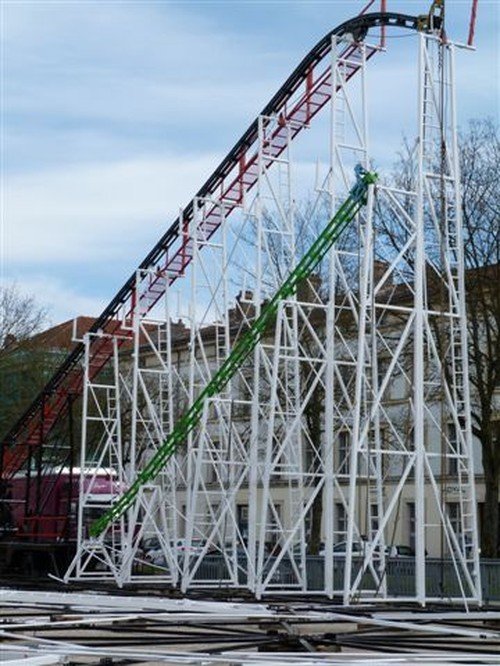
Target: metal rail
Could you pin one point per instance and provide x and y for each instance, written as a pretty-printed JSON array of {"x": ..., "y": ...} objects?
[{"x": 139, "y": 628}]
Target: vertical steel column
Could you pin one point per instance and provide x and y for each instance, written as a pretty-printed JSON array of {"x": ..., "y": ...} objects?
[
  {"x": 328, "y": 440},
  {"x": 418, "y": 338},
  {"x": 81, "y": 536},
  {"x": 359, "y": 431},
  {"x": 470, "y": 482},
  {"x": 253, "y": 481}
]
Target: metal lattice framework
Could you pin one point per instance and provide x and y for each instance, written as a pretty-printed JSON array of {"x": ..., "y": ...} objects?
[
  {"x": 297, "y": 103},
  {"x": 348, "y": 407},
  {"x": 374, "y": 342}
]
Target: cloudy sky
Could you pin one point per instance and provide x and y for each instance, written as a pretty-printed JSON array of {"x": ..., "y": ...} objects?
[{"x": 114, "y": 113}]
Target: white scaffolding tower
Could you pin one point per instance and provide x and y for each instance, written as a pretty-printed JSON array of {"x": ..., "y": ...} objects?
[
  {"x": 307, "y": 434},
  {"x": 418, "y": 282}
]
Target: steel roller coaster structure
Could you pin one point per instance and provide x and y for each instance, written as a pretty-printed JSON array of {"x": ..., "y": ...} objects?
[{"x": 331, "y": 340}]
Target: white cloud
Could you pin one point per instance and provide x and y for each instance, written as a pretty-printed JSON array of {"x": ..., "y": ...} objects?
[
  {"x": 96, "y": 212},
  {"x": 114, "y": 111},
  {"x": 135, "y": 63}
]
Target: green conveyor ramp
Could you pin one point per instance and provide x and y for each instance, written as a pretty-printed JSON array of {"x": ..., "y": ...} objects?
[{"x": 244, "y": 346}]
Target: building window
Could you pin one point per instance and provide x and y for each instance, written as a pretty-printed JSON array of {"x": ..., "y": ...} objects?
[
  {"x": 452, "y": 461},
  {"x": 344, "y": 452},
  {"x": 382, "y": 367},
  {"x": 274, "y": 522},
  {"x": 308, "y": 523},
  {"x": 242, "y": 520},
  {"x": 213, "y": 511},
  {"x": 374, "y": 522},
  {"x": 182, "y": 521},
  {"x": 453, "y": 510},
  {"x": 340, "y": 521},
  {"x": 242, "y": 407},
  {"x": 378, "y": 443},
  {"x": 215, "y": 471},
  {"x": 411, "y": 524},
  {"x": 484, "y": 523},
  {"x": 409, "y": 443},
  {"x": 312, "y": 458}
]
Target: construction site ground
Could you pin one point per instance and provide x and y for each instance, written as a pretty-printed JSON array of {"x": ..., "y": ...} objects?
[{"x": 50, "y": 626}]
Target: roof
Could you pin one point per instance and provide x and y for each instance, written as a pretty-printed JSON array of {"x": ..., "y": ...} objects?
[
  {"x": 61, "y": 335},
  {"x": 59, "y": 338}
]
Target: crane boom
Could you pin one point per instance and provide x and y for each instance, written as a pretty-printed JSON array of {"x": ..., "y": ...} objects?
[{"x": 244, "y": 346}]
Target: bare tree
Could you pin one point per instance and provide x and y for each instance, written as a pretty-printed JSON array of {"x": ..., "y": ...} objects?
[
  {"x": 20, "y": 316},
  {"x": 24, "y": 369},
  {"x": 479, "y": 162}
]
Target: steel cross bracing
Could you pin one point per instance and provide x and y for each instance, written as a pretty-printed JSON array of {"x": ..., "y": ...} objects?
[
  {"x": 299, "y": 100},
  {"x": 241, "y": 350},
  {"x": 221, "y": 451},
  {"x": 425, "y": 442},
  {"x": 242, "y": 493}
]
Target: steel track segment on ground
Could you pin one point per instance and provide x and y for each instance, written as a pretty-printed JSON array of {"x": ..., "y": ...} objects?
[{"x": 172, "y": 252}]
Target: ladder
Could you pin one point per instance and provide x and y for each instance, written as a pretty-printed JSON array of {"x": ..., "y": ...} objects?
[{"x": 244, "y": 346}]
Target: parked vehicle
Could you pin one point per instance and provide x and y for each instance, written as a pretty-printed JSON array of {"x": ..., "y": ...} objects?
[
  {"x": 26, "y": 526},
  {"x": 339, "y": 549},
  {"x": 150, "y": 543},
  {"x": 400, "y": 551},
  {"x": 156, "y": 556}
]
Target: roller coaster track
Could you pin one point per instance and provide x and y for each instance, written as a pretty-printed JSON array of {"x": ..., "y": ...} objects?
[{"x": 306, "y": 91}]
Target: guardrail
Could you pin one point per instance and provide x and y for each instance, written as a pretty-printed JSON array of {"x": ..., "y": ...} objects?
[{"x": 400, "y": 572}]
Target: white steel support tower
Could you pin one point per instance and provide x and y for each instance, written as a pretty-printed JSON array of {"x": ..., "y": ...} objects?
[
  {"x": 351, "y": 415},
  {"x": 101, "y": 465},
  {"x": 156, "y": 393},
  {"x": 412, "y": 334},
  {"x": 217, "y": 451}
]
